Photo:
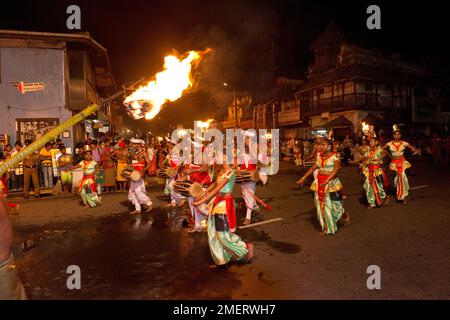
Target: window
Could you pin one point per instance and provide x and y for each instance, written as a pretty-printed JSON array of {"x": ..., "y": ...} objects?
[{"x": 369, "y": 86}]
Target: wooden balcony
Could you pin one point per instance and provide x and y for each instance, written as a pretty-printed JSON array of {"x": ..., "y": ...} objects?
[
  {"x": 361, "y": 101},
  {"x": 290, "y": 116}
]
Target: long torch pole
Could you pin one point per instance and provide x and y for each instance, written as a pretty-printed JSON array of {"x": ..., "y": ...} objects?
[{"x": 49, "y": 136}]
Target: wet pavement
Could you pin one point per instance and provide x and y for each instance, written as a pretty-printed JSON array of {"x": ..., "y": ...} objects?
[{"x": 153, "y": 257}]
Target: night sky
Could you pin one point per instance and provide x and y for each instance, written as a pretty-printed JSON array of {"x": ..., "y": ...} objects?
[{"x": 253, "y": 41}]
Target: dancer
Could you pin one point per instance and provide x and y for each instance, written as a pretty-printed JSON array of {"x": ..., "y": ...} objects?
[
  {"x": 224, "y": 245},
  {"x": 137, "y": 193},
  {"x": 373, "y": 171},
  {"x": 201, "y": 175},
  {"x": 327, "y": 189},
  {"x": 249, "y": 187},
  {"x": 399, "y": 164},
  {"x": 88, "y": 189},
  {"x": 173, "y": 161}
]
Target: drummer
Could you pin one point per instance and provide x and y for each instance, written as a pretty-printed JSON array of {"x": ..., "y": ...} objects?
[
  {"x": 137, "y": 193},
  {"x": 174, "y": 162},
  {"x": 249, "y": 187},
  {"x": 200, "y": 174}
]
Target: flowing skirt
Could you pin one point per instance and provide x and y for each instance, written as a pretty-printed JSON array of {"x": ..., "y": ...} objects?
[
  {"x": 328, "y": 202},
  {"x": 401, "y": 180},
  {"x": 224, "y": 245},
  {"x": 89, "y": 192},
  {"x": 374, "y": 185}
]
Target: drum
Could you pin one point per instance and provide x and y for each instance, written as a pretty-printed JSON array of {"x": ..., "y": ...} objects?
[
  {"x": 195, "y": 189},
  {"x": 126, "y": 172},
  {"x": 246, "y": 176},
  {"x": 135, "y": 176},
  {"x": 167, "y": 172},
  {"x": 161, "y": 173},
  {"x": 182, "y": 187}
]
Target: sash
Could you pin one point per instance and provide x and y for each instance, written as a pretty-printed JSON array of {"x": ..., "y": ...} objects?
[
  {"x": 229, "y": 201},
  {"x": 321, "y": 189},
  {"x": 399, "y": 164}
]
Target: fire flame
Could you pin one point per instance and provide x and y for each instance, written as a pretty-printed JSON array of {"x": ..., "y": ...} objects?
[
  {"x": 205, "y": 124},
  {"x": 168, "y": 85}
]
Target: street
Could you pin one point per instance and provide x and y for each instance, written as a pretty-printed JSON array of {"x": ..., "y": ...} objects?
[{"x": 153, "y": 257}]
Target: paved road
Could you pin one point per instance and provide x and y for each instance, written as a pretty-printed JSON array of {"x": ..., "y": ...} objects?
[{"x": 122, "y": 257}]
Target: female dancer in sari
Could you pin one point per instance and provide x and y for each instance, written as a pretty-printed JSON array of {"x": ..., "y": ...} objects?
[
  {"x": 327, "y": 189},
  {"x": 399, "y": 164},
  {"x": 88, "y": 189},
  {"x": 374, "y": 174},
  {"x": 224, "y": 245}
]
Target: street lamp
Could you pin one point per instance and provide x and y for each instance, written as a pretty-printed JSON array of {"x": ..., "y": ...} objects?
[{"x": 234, "y": 105}]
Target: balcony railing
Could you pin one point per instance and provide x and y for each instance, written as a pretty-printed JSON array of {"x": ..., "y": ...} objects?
[{"x": 364, "y": 101}]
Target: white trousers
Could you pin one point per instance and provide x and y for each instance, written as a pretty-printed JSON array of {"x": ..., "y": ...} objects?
[
  {"x": 199, "y": 213},
  {"x": 248, "y": 189},
  {"x": 175, "y": 197},
  {"x": 138, "y": 194}
]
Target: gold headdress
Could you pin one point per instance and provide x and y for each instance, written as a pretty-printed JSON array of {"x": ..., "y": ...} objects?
[{"x": 396, "y": 128}]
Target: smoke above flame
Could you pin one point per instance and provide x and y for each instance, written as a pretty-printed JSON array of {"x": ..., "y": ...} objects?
[{"x": 166, "y": 86}]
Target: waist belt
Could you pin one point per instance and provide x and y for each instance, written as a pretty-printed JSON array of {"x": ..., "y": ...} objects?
[{"x": 374, "y": 166}]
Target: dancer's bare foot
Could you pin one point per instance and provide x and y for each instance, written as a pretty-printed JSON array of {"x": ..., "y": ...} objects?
[
  {"x": 246, "y": 222},
  {"x": 386, "y": 201},
  {"x": 369, "y": 207},
  {"x": 404, "y": 201},
  {"x": 135, "y": 212},
  {"x": 212, "y": 266},
  {"x": 149, "y": 208}
]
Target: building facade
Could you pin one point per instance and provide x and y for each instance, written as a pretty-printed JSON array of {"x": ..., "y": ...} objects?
[
  {"x": 347, "y": 84},
  {"x": 72, "y": 71}
]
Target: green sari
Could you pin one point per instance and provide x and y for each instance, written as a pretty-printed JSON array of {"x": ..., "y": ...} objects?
[
  {"x": 88, "y": 188},
  {"x": 224, "y": 245}
]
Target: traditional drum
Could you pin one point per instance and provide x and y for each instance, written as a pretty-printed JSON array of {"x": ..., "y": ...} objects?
[
  {"x": 188, "y": 188},
  {"x": 195, "y": 189},
  {"x": 182, "y": 187},
  {"x": 166, "y": 173},
  {"x": 135, "y": 176},
  {"x": 126, "y": 172},
  {"x": 245, "y": 176}
]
